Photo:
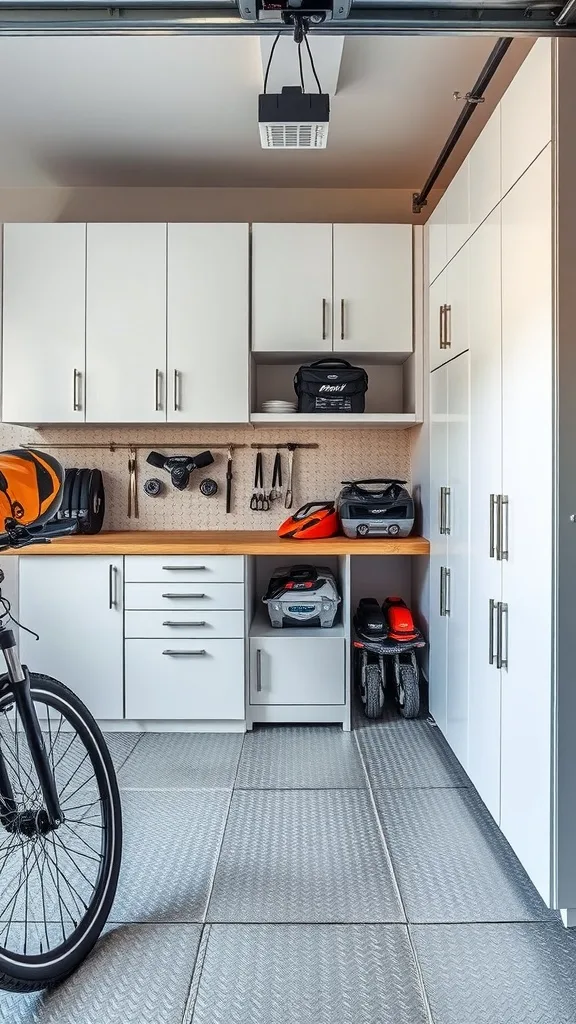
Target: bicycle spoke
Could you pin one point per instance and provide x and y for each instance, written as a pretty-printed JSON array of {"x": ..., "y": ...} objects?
[
  {"x": 77, "y": 866},
  {"x": 74, "y": 773}
]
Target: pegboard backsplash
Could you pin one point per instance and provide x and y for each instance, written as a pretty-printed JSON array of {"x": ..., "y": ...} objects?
[{"x": 342, "y": 455}]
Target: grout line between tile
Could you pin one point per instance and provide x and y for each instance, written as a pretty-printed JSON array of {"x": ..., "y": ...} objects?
[
  {"x": 419, "y": 973},
  {"x": 128, "y": 755},
  {"x": 209, "y": 897},
  {"x": 196, "y": 975}
]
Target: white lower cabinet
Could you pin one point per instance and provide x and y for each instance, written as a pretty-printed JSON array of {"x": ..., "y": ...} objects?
[
  {"x": 75, "y": 603},
  {"x": 185, "y": 679},
  {"x": 297, "y": 670}
]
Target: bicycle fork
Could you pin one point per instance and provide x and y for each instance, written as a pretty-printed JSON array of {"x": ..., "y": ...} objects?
[{"x": 50, "y": 816}]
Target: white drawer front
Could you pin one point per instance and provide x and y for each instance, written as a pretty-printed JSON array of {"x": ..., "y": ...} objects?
[
  {"x": 184, "y": 568},
  {"x": 199, "y": 679},
  {"x": 290, "y": 670},
  {"x": 183, "y": 596},
  {"x": 180, "y": 625}
]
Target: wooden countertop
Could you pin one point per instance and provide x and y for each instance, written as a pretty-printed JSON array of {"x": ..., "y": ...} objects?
[{"x": 220, "y": 542}]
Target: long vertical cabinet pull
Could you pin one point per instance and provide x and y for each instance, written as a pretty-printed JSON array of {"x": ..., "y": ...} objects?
[
  {"x": 444, "y": 591},
  {"x": 493, "y": 506},
  {"x": 504, "y": 527},
  {"x": 442, "y": 604},
  {"x": 491, "y": 613},
  {"x": 441, "y": 328},
  {"x": 324, "y": 306},
  {"x": 441, "y": 528},
  {"x": 447, "y": 510},
  {"x": 447, "y": 326},
  {"x": 258, "y": 671},
  {"x": 502, "y": 635},
  {"x": 77, "y": 391},
  {"x": 112, "y": 596},
  {"x": 177, "y": 402},
  {"x": 158, "y": 390},
  {"x": 342, "y": 314}
]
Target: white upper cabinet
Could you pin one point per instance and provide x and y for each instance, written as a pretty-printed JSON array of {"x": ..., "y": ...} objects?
[
  {"x": 292, "y": 287},
  {"x": 44, "y": 323},
  {"x": 372, "y": 309},
  {"x": 437, "y": 321},
  {"x": 485, "y": 172},
  {"x": 126, "y": 323},
  {"x": 208, "y": 323},
  {"x": 458, "y": 211},
  {"x": 527, "y": 113},
  {"x": 437, "y": 240}
]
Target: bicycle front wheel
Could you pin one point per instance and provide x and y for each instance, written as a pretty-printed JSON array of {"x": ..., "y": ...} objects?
[{"x": 56, "y": 886}]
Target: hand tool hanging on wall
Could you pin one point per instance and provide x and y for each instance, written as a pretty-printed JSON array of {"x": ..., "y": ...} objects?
[
  {"x": 259, "y": 501},
  {"x": 153, "y": 487},
  {"x": 276, "y": 491},
  {"x": 180, "y": 466},
  {"x": 229, "y": 481},
  {"x": 291, "y": 449},
  {"x": 208, "y": 488},
  {"x": 132, "y": 485}
]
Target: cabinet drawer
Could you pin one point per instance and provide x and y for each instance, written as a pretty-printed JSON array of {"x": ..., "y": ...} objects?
[
  {"x": 182, "y": 625},
  {"x": 183, "y": 596},
  {"x": 290, "y": 670},
  {"x": 198, "y": 679},
  {"x": 184, "y": 568}
]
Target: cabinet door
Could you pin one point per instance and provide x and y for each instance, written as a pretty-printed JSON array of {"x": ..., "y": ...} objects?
[
  {"x": 292, "y": 287},
  {"x": 485, "y": 480},
  {"x": 208, "y": 326},
  {"x": 457, "y": 316},
  {"x": 372, "y": 288},
  {"x": 126, "y": 323},
  {"x": 436, "y": 306},
  {"x": 458, "y": 211},
  {"x": 527, "y": 383},
  {"x": 75, "y": 603},
  {"x": 527, "y": 113},
  {"x": 438, "y": 542},
  {"x": 485, "y": 172},
  {"x": 294, "y": 670},
  {"x": 44, "y": 333},
  {"x": 437, "y": 244},
  {"x": 457, "y": 519}
]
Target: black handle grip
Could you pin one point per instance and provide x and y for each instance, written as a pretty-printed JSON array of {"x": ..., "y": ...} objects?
[
  {"x": 374, "y": 480},
  {"x": 203, "y": 459},
  {"x": 332, "y": 362},
  {"x": 155, "y": 459}
]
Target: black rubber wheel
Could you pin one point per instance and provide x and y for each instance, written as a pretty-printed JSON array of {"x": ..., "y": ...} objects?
[
  {"x": 92, "y": 502},
  {"x": 56, "y": 887},
  {"x": 373, "y": 692},
  {"x": 393, "y": 530},
  {"x": 408, "y": 691},
  {"x": 76, "y": 492},
  {"x": 69, "y": 479},
  {"x": 363, "y": 530}
]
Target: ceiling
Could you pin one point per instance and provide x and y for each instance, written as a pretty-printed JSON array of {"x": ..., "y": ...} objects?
[{"x": 182, "y": 111}]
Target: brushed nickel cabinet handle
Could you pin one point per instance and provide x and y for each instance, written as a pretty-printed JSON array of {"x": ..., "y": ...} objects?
[
  {"x": 492, "y": 609},
  {"x": 185, "y": 654},
  {"x": 77, "y": 391},
  {"x": 112, "y": 597},
  {"x": 441, "y": 328},
  {"x": 447, "y": 510},
  {"x": 441, "y": 517},
  {"x": 342, "y": 330},
  {"x": 158, "y": 390},
  {"x": 447, "y": 326},
  {"x": 442, "y": 605},
  {"x": 177, "y": 397},
  {"x": 504, "y": 527},
  {"x": 447, "y": 588},
  {"x": 184, "y": 568},
  {"x": 258, "y": 671},
  {"x": 324, "y": 305},
  {"x": 170, "y": 622},
  {"x": 180, "y": 597},
  {"x": 492, "y": 530},
  {"x": 501, "y": 635}
]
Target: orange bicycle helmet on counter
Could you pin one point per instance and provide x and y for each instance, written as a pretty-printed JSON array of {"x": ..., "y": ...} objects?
[
  {"x": 31, "y": 484},
  {"x": 315, "y": 520}
]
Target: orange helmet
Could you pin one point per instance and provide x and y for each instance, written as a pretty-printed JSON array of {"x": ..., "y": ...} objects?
[
  {"x": 30, "y": 487},
  {"x": 314, "y": 520}
]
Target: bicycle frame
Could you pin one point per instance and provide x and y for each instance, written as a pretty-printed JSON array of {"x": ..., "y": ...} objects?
[{"x": 18, "y": 681}]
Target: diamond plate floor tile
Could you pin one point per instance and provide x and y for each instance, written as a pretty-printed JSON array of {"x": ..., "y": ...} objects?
[
  {"x": 121, "y": 745},
  {"x": 401, "y": 754},
  {"x": 308, "y": 855},
  {"x": 176, "y": 760},
  {"x": 498, "y": 974},
  {"x": 137, "y": 974},
  {"x": 309, "y": 757},
  {"x": 171, "y": 845},
  {"x": 310, "y": 974},
  {"x": 451, "y": 860}
]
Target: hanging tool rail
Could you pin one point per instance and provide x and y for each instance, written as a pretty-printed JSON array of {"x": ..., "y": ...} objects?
[{"x": 113, "y": 446}]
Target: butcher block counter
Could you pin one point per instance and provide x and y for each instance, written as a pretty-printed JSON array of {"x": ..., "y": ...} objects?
[{"x": 220, "y": 542}]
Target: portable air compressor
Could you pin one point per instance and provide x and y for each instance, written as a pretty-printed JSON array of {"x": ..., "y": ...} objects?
[{"x": 303, "y": 595}]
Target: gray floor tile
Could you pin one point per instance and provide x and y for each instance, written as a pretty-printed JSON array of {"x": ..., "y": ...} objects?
[
  {"x": 498, "y": 974},
  {"x": 310, "y": 974},
  {"x": 136, "y": 975},
  {"x": 308, "y": 855},
  {"x": 451, "y": 861},
  {"x": 402, "y": 754},
  {"x": 307, "y": 757},
  {"x": 121, "y": 745},
  {"x": 171, "y": 845},
  {"x": 183, "y": 761}
]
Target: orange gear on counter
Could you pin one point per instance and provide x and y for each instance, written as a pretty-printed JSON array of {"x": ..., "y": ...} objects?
[{"x": 31, "y": 485}]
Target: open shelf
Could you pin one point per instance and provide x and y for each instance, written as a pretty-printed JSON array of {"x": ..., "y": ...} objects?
[
  {"x": 392, "y": 420},
  {"x": 261, "y": 627}
]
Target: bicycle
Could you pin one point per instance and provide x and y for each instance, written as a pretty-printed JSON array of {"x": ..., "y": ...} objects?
[{"x": 60, "y": 812}]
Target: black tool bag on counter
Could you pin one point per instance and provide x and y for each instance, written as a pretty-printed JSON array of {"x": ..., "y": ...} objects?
[{"x": 331, "y": 385}]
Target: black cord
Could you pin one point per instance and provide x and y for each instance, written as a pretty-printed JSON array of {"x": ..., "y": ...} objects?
[
  {"x": 312, "y": 63},
  {"x": 270, "y": 61},
  {"x": 300, "y": 66},
  {"x": 7, "y": 614}
]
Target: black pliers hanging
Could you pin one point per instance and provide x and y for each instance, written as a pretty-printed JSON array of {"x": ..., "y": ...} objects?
[
  {"x": 276, "y": 491},
  {"x": 259, "y": 501}
]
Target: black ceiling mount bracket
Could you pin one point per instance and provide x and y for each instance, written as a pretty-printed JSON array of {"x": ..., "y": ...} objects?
[
  {"x": 300, "y": 15},
  {"x": 472, "y": 99}
]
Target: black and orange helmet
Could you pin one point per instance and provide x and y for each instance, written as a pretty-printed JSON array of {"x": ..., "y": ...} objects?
[
  {"x": 312, "y": 521},
  {"x": 31, "y": 485}
]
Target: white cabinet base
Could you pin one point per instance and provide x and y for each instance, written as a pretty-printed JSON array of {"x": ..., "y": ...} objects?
[
  {"x": 324, "y": 714},
  {"x": 173, "y": 725}
]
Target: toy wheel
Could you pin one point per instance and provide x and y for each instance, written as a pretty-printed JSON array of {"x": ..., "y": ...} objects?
[
  {"x": 393, "y": 530},
  {"x": 408, "y": 690},
  {"x": 373, "y": 692},
  {"x": 363, "y": 530}
]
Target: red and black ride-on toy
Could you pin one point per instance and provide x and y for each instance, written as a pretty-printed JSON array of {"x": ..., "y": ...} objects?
[{"x": 386, "y": 637}]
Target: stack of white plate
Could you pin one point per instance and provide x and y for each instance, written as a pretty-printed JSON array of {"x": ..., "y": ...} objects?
[{"x": 279, "y": 407}]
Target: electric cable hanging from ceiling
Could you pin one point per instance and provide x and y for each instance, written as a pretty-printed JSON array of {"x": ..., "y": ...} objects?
[
  {"x": 270, "y": 61},
  {"x": 312, "y": 65}
]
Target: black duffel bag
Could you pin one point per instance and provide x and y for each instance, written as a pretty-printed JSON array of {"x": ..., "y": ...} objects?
[{"x": 331, "y": 385}]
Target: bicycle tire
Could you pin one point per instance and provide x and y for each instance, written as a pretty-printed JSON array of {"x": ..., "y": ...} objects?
[
  {"x": 373, "y": 691},
  {"x": 30, "y": 972},
  {"x": 408, "y": 691}
]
